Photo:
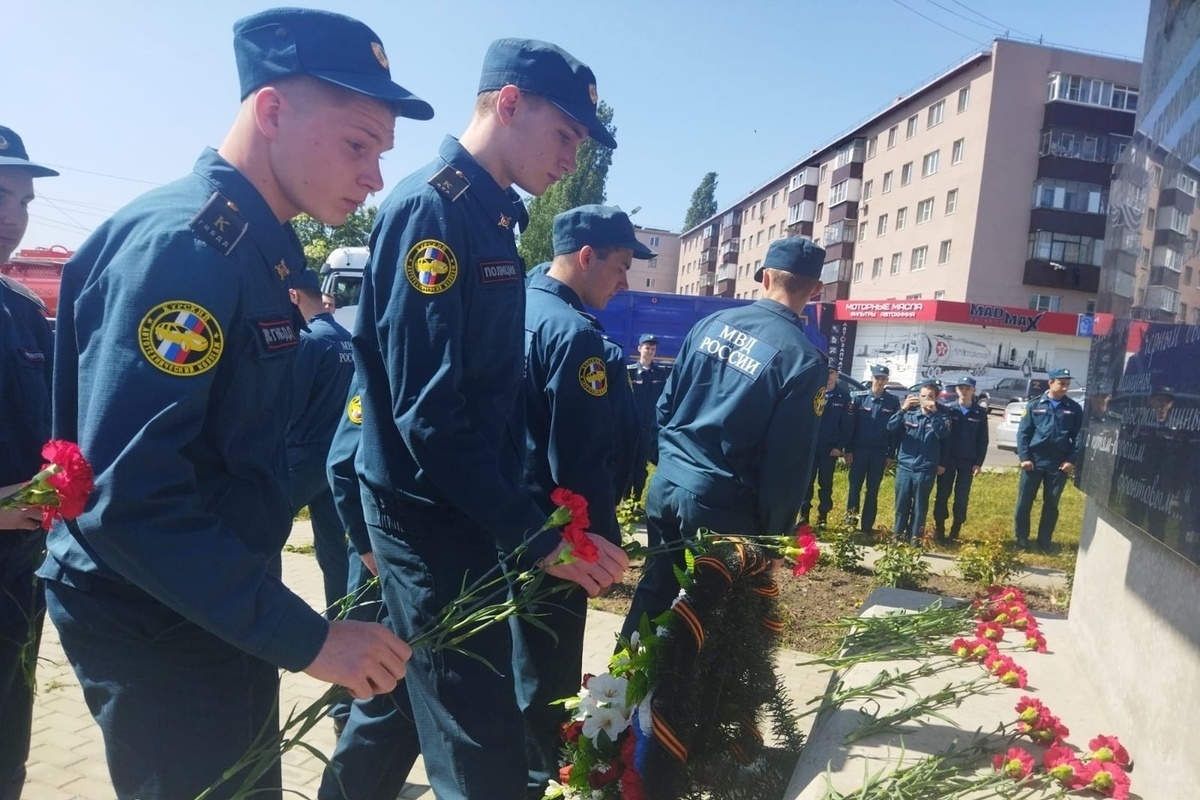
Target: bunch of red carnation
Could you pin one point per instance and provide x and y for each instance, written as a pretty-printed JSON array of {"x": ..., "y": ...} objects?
[
  {"x": 60, "y": 489},
  {"x": 574, "y": 530}
]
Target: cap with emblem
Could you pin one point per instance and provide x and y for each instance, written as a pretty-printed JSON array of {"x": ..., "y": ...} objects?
[
  {"x": 796, "y": 255},
  {"x": 279, "y": 42},
  {"x": 934, "y": 382},
  {"x": 1061, "y": 372},
  {"x": 306, "y": 279},
  {"x": 965, "y": 380},
  {"x": 547, "y": 70},
  {"x": 880, "y": 371},
  {"x": 597, "y": 226},
  {"x": 12, "y": 154},
  {"x": 647, "y": 338}
]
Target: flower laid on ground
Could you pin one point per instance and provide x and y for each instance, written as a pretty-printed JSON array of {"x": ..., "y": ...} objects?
[
  {"x": 1035, "y": 721},
  {"x": 1106, "y": 778},
  {"x": 1016, "y": 763},
  {"x": 60, "y": 489},
  {"x": 1035, "y": 641},
  {"x": 1109, "y": 748},
  {"x": 1063, "y": 765},
  {"x": 805, "y": 552},
  {"x": 1006, "y": 671},
  {"x": 992, "y": 631}
]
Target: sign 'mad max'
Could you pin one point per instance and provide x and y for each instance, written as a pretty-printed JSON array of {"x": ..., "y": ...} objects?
[{"x": 984, "y": 315}]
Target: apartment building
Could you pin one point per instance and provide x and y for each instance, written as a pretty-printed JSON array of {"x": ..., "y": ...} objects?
[
  {"x": 988, "y": 183},
  {"x": 656, "y": 274}
]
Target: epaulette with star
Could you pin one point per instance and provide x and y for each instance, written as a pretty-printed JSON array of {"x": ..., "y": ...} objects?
[
  {"x": 220, "y": 224},
  {"x": 450, "y": 183}
]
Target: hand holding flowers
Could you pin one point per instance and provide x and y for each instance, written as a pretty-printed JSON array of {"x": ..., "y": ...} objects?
[{"x": 59, "y": 490}]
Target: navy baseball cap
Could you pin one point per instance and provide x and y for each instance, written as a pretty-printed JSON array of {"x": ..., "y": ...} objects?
[
  {"x": 1061, "y": 372},
  {"x": 279, "y": 42},
  {"x": 965, "y": 380},
  {"x": 13, "y": 154},
  {"x": 647, "y": 338},
  {"x": 934, "y": 382},
  {"x": 598, "y": 226},
  {"x": 546, "y": 69},
  {"x": 880, "y": 371},
  {"x": 796, "y": 255},
  {"x": 306, "y": 279}
]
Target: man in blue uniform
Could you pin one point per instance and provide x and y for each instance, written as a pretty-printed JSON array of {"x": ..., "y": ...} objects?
[
  {"x": 647, "y": 379},
  {"x": 439, "y": 358},
  {"x": 740, "y": 415},
  {"x": 967, "y": 449},
  {"x": 1047, "y": 445},
  {"x": 324, "y": 369},
  {"x": 837, "y": 426},
  {"x": 173, "y": 371},
  {"x": 872, "y": 447},
  {"x": 923, "y": 429},
  {"x": 25, "y": 350},
  {"x": 571, "y": 438}
]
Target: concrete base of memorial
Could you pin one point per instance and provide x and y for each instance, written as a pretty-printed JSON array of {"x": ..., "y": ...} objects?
[{"x": 1081, "y": 697}]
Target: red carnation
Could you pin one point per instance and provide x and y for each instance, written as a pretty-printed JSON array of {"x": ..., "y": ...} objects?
[
  {"x": 1109, "y": 748},
  {"x": 1016, "y": 763},
  {"x": 631, "y": 779},
  {"x": 575, "y": 531},
  {"x": 604, "y": 774},
  {"x": 1062, "y": 765},
  {"x": 564, "y": 774},
  {"x": 60, "y": 489},
  {"x": 806, "y": 543},
  {"x": 1106, "y": 778},
  {"x": 571, "y": 731},
  {"x": 992, "y": 631}
]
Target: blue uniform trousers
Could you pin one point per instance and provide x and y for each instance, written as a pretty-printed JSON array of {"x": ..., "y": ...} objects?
[
  {"x": 868, "y": 465},
  {"x": 138, "y": 663},
  {"x": 912, "y": 500},
  {"x": 956, "y": 479},
  {"x": 1052, "y": 480},
  {"x": 672, "y": 515},
  {"x": 310, "y": 487},
  {"x": 376, "y": 754},
  {"x": 823, "y": 466},
  {"x": 548, "y": 668},
  {"x": 468, "y": 723},
  {"x": 21, "y": 613}
]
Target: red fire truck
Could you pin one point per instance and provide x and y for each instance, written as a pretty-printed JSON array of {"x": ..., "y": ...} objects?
[{"x": 40, "y": 269}]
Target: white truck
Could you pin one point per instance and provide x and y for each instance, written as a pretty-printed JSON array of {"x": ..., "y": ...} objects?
[{"x": 341, "y": 277}]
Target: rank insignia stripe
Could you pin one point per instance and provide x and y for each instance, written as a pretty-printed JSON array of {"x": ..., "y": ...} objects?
[
  {"x": 220, "y": 224},
  {"x": 450, "y": 183}
]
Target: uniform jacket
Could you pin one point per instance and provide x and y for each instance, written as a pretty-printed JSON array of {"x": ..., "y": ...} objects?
[
  {"x": 173, "y": 372},
  {"x": 439, "y": 356},
  {"x": 837, "y": 423},
  {"x": 1048, "y": 436},
  {"x": 968, "y": 435},
  {"x": 871, "y": 415},
  {"x": 740, "y": 411},
  {"x": 647, "y": 386},
  {"x": 342, "y": 472},
  {"x": 324, "y": 370},
  {"x": 924, "y": 438}
]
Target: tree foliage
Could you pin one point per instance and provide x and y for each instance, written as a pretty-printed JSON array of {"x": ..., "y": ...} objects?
[
  {"x": 320, "y": 239},
  {"x": 585, "y": 185},
  {"x": 704, "y": 202}
]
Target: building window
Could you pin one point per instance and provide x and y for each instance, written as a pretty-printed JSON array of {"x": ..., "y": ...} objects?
[
  {"x": 654, "y": 241},
  {"x": 897, "y": 258},
  {"x": 823, "y": 170},
  {"x": 877, "y": 269},
  {"x": 906, "y": 174},
  {"x": 911, "y": 130},
  {"x": 857, "y": 272},
  {"x": 901, "y": 218},
  {"x": 838, "y": 192},
  {"x": 1089, "y": 308},
  {"x": 1150, "y": 215},
  {"x": 951, "y": 201},
  {"x": 916, "y": 296},
  {"x": 956, "y": 152},
  {"x": 760, "y": 238},
  {"x": 1187, "y": 276},
  {"x": 944, "y": 251},
  {"x": 650, "y": 283},
  {"x": 1084, "y": 198},
  {"x": 925, "y": 210},
  {"x": 868, "y": 190},
  {"x": 1091, "y": 91},
  {"x": 1085, "y": 146},
  {"x": 775, "y": 200},
  {"x": 771, "y": 233},
  {"x": 872, "y": 144},
  {"x": 652, "y": 263},
  {"x": 964, "y": 98},
  {"x": 887, "y": 182},
  {"x": 892, "y": 136},
  {"x": 862, "y": 230},
  {"x": 918, "y": 259},
  {"x": 937, "y": 113},
  {"x": 820, "y": 211},
  {"x": 1186, "y": 184},
  {"x": 881, "y": 227},
  {"x": 1066, "y": 247},
  {"x": 1044, "y": 302},
  {"x": 940, "y": 294},
  {"x": 929, "y": 164}
]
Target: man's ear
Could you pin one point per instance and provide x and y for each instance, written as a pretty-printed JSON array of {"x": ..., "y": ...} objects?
[{"x": 506, "y": 104}]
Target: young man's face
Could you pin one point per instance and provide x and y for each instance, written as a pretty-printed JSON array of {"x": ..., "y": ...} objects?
[
  {"x": 966, "y": 394},
  {"x": 831, "y": 380},
  {"x": 1059, "y": 386},
  {"x": 929, "y": 393},
  {"x": 648, "y": 350},
  {"x": 16, "y": 193},
  {"x": 326, "y": 155},
  {"x": 545, "y": 144},
  {"x": 879, "y": 383},
  {"x": 605, "y": 277}
]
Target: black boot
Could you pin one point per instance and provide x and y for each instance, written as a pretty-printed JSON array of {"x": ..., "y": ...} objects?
[
  {"x": 939, "y": 530},
  {"x": 954, "y": 530}
]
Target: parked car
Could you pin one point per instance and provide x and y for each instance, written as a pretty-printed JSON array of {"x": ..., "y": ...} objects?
[
  {"x": 1006, "y": 431},
  {"x": 1013, "y": 390}
]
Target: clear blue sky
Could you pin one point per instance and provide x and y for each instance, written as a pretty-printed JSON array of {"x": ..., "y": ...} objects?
[{"x": 133, "y": 91}]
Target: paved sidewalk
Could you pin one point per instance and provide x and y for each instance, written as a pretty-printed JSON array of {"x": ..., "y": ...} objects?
[{"x": 66, "y": 761}]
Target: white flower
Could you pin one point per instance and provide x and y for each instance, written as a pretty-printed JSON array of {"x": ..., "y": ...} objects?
[
  {"x": 554, "y": 790},
  {"x": 607, "y": 689},
  {"x": 645, "y": 721},
  {"x": 635, "y": 640},
  {"x": 661, "y": 631},
  {"x": 610, "y": 720},
  {"x": 587, "y": 707}
]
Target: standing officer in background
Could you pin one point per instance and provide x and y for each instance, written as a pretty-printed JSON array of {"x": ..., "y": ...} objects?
[
  {"x": 923, "y": 429},
  {"x": 324, "y": 370},
  {"x": 647, "y": 379},
  {"x": 173, "y": 371},
  {"x": 740, "y": 416},
  {"x": 571, "y": 437},
  {"x": 837, "y": 426},
  {"x": 439, "y": 357},
  {"x": 967, "y": 448},
  {"x": 1047, "y": 445},
  {"x": 872, "y": 448},
  {"x": 25, "y": 350}
]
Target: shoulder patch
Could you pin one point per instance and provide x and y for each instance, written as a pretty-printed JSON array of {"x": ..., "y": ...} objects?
[
  {"x": 354, "y": 409},
  {"x": 450, "y": 183},
  {"x": 180, "y": 338},
  {"x": 593, "y": 377},
  {"x": 220, "y": 224},
  {"x": 16, "y": 287},
  {"x": 431, "y": 267},
  {"x": 819, "y": 402}
]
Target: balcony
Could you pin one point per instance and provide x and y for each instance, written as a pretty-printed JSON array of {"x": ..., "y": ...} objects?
[
  {"x": 727, "y": 273},
  {"x": 1056, "y": 275},
  {"x": 708, "y": 256}
]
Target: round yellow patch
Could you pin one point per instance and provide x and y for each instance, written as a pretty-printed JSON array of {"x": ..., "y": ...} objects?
[
  {"x": 819, "y": 402},
  {"x": 354, "y": 410},
  {"x": 431, "y": 267},
  {"x": 593, "y": 378},
  {"x": 180, "y": 338}
]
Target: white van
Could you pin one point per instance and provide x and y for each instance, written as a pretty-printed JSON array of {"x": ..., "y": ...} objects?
[{"x": 342, "y": 276}]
